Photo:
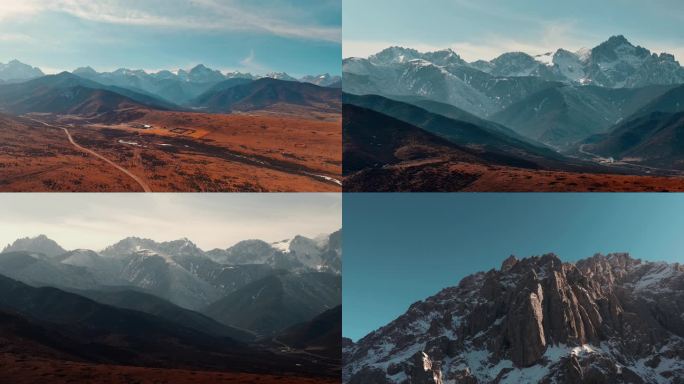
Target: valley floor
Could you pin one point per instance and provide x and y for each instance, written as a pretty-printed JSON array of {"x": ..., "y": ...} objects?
[
  {"x": 443, "y": 175},
  {"x": 28, "y": 370},
  {"x": 171, "y": 152}
]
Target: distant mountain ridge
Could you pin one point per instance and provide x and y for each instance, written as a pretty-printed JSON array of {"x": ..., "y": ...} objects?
[
  {"x": 267, "y": 92},
  {"x": 177, "y": 271},
  {"x": 122, "y": 94},
  {"x": 39, "y": 244},
  {"x": 178, "y": 86},
  {"x": 15, "y": 71},
  {"x": 66, "y": 93},
  {"x": 615, "y": 63}
]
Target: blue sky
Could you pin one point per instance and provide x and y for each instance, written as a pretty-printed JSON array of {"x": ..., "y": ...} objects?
[
  {"x": 295, "y": 36},
  {"x": 484, "y": 29},
  {"x": 401, "y": 248}
]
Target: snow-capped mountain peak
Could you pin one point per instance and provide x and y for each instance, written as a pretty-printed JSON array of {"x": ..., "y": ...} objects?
[
  {"x": 323, "y": 80},
  {"x": 545, "y": 58},
  {"x": 394, "y": 55},
  {"x": 15, "y": 70},
  {"x": 444, "y": 57},
  {"x": 280, "y": 76},
  {"x": 282, "y": 245},
  {"x": 40, "y": 244},
  {"x": 584, "y": 54}
]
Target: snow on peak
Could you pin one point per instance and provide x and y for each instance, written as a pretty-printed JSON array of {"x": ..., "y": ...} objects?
[
  {"x": 545, "y": 58},
  {"x": 584, "y": 54},
  {"x": 282, "y": 245},
  {"x": 655, "y": 274},
  {"x": 280, "y": 76},
  {"x": 394, "y": 55}
]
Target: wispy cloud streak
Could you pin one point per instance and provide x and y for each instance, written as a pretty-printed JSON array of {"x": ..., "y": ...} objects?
[{"x": 208, "y": 15}]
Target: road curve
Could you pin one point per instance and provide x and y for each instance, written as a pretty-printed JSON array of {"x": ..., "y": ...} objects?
[{"x": 137, "y": 179}]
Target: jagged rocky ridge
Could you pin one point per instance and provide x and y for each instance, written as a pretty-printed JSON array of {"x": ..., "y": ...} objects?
[
  {"x": 558, "y": 99},
  {"x": 178, "y": 271},
  {"x": 615, "y": 63},
  {"x": 40, "y": 244},
  {"x": 606, "y": 319}
]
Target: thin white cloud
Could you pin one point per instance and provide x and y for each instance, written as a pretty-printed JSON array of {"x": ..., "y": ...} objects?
[
  {"x": 252, "y": 65},
  {"x": 15, "y": 38},
  {"x": 199, "y": 15},
  {"x": 249, "y": 60},
  {"x": 234, "y": 15},
  {"x": 18, "y": 8}
]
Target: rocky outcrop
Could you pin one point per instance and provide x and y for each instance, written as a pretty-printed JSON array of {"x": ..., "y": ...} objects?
[
  {"x": 40, "y": 244},
  {"x": 509, "y": 263},
  {"x": 525, "y": 329},
  {"x": 606, "y": 319}
]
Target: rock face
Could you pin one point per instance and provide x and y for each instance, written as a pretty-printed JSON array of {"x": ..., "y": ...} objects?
[
  {"x": 606, "y": 319},
  {"x": 39, "y": 244},
  {"x": 323, "y": 254}
]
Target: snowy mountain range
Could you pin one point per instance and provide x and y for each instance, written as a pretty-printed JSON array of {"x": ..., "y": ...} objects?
[
  {"x": 182, "y": 86},
  {"x": 15, "y": 71},
  {"x": 179, "y": 86},
  {"x": 298, "y": 253},
  {"x": 558, "y": 98},
  {"x": 178, "y": 271},
  {"x": 605, "y": 319},
  {"x": 615, "y": 63}
]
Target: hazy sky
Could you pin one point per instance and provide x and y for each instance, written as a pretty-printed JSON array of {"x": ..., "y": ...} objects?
[
  {"x": 296, "y": 36},
  {"x": 96, "y": 220},
  {"x": 483, "y": 29},
  {"x": 401, "y": 248}
]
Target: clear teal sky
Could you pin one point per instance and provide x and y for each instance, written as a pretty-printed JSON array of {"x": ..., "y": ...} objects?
[
  {"x": 295, "y": 36},
  {"x": 401, "y": 248},
  {"x": 483, "y": 29}
]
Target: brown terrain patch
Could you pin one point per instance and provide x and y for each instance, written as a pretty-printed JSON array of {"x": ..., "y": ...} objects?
[
  {"x": 30, "y": 370},
  {"x": 192, "y": 152},
  {"x": 36, "y": 158},
  {"x": 447, "y": 175}
]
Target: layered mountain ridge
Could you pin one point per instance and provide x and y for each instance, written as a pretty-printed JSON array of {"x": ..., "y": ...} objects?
[
  {"x": 606, "y": 319},
  {"x": 615, "y": 63},
  {"x": 557, "y": 98},
  {"x": 185, "y": 275},
  {"x": 181, "y": 86},
  {"x": 115, "y": 96}
]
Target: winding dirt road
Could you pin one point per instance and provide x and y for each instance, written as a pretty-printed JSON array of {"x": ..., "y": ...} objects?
[{"x": 137, "y": 179}]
